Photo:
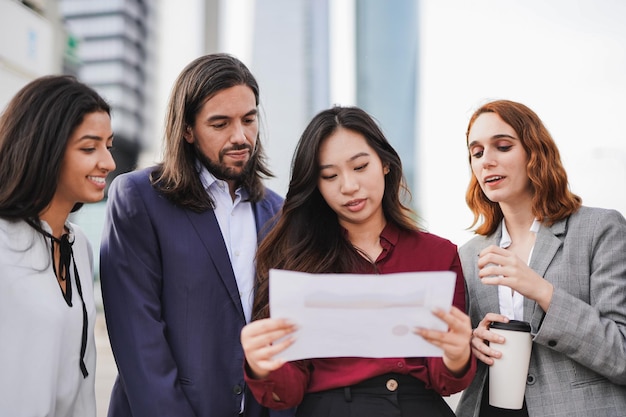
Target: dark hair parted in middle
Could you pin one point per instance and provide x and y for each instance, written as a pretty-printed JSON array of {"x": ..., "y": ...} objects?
[
  {"x": 177, "y": 177},
  {"x": 34, "y": 131},
  {"x": 307, "y": 236}
]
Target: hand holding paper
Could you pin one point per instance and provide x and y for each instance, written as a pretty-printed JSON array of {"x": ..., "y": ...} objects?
[
  {"x": 455, "y": 343},
  {"x": 341, "y": 315},
  {"x": 259, "y": 341}
]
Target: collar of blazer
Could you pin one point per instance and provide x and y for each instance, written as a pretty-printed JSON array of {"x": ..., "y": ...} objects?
[
  {"x": 208, "y": 231},
  {"x": 549, "y": 240}
]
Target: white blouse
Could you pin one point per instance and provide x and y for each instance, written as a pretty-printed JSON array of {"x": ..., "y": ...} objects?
[
  {"x": 40, "y": 334},
  {"x": 512, "y": 302}
]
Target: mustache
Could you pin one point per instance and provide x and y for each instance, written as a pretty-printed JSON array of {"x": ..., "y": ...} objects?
[{"x": 239, "y": 148}]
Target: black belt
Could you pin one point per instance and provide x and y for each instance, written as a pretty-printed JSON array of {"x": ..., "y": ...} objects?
[
  {"x": 389, "y": 383},
  {"x": 392, "y": 382}
]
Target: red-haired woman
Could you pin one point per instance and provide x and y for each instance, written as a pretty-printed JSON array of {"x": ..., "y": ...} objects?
[{"x": 542, "y": 257}]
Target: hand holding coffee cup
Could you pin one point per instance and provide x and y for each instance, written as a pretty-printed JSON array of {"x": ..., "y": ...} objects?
[{"x": 507, "y": 375}]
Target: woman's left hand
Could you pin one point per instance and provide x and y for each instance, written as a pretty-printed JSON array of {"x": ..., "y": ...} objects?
[
  {"x": 260, "y": 340},
  {"x": 455, "y": 342},
  {"x": 499, "y": 266}
]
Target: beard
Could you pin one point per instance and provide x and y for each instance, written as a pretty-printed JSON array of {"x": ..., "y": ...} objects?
[{"x": 222, "y": 172}]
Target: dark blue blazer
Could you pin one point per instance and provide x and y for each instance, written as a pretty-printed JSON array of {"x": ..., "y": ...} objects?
[{"x": 172, "y": 307}]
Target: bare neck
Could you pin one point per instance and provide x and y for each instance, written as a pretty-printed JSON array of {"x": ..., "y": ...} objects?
[
  {"x": 366, "y": 237},
  {"x": 518, "y": 222},
  {"x": 55, "y": 216}
]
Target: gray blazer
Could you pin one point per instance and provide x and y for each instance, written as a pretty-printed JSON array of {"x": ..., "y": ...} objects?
[{"x": 578, "y": 361}]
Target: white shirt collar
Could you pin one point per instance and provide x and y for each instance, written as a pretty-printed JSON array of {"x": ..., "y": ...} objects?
[{"x": 505, "y": 240}]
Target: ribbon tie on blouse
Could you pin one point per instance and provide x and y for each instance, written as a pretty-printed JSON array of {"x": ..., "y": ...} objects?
[{"x": 66, "y": 259}]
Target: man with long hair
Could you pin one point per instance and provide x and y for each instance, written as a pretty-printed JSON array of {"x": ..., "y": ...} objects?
[{"x": 177, "y": 254}]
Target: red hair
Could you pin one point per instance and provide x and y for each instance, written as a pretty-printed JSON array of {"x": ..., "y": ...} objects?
[{"x": 552, "y": 199}]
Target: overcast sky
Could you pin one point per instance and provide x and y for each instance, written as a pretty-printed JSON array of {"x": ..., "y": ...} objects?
[{"x": 566, "y": 59}]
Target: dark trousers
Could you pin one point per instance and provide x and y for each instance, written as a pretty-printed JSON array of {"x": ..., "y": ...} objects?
[{"x": 389, "y": 395}]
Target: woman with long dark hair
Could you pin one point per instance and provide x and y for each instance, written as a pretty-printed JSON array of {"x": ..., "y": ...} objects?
[
  {"x": 344, "y": 213},
  {"x": 55, "y": 137}
]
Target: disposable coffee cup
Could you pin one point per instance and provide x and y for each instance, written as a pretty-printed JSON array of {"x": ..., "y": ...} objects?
[{"x": 507, "y": 375}]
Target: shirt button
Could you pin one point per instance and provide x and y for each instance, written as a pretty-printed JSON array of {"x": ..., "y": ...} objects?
[
  {"x": 552, "y": 343},
  {"x": 392, "y": 385},
  {"x": 530, "y": 380},
  {"x": 237, "y": 390},
  {"x": 400, "y": 365}
]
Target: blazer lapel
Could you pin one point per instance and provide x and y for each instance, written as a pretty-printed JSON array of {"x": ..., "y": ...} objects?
[
  {"x": 208, "y": 231},
  {"x": 262, "y": 213},
  {"x": 258, "y": 210},
  {"x": 546, "y": 246}
]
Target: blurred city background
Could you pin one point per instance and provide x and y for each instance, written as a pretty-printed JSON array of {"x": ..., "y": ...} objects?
[{"x": 420, "y": 67}]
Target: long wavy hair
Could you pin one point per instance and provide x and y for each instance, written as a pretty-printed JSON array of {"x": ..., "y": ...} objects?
[
  {"x": 35, "y": 128},
  {"x": 307, "y": 236},
  {"x": 552, "y": 199},
  {"x": 177, "y": 177}
]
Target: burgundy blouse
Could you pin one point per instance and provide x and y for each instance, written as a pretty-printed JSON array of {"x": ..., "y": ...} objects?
[{"x": 403, "y": 251}]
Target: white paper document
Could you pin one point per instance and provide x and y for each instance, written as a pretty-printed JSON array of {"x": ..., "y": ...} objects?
[{"x": 354, "y": 315}]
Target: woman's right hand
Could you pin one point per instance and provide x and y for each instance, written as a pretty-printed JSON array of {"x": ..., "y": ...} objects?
[
  {"x": 258, "y": 339},
  {"x": 481, "y": 336}
]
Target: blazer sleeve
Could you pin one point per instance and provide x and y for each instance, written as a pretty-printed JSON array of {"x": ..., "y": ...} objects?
[
  {"x": 593, "y": 332},
  {"x": 131, "y": 280}
]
